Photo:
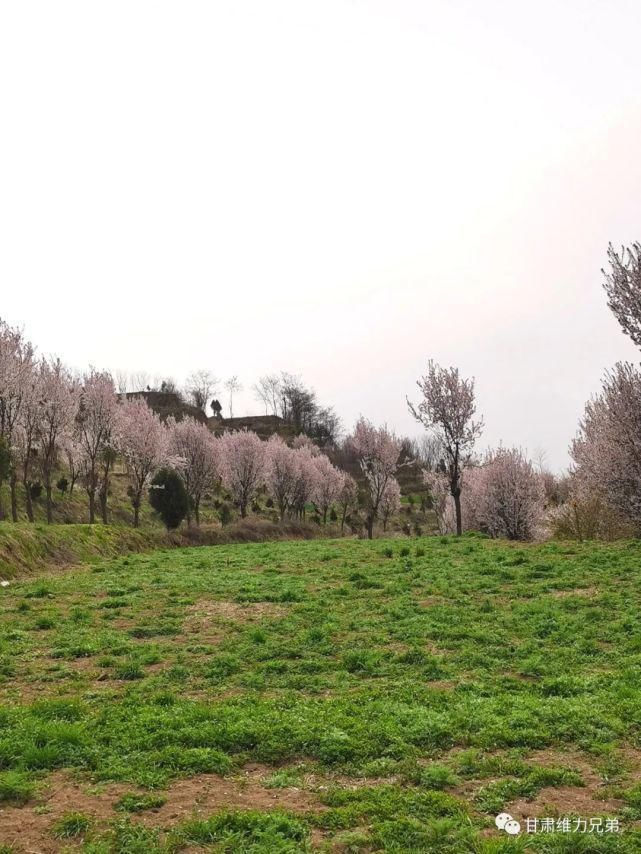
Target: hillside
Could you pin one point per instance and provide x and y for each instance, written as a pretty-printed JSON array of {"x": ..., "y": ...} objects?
[{"x": 325, "y": 696}]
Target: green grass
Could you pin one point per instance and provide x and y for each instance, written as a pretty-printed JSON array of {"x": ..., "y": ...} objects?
[
  {"x": 71, "y": 825},
  {"x": 411, "y": 689}
]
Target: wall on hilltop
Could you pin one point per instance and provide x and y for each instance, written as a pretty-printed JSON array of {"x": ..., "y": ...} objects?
[
  {"x": 168, "y": 403},
  {"x": 263, "y": 425}
]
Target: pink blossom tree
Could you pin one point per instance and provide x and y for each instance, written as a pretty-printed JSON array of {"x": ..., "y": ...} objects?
[
  {"x": 447, "y": 410},
  {"x": 94, "y": 427},
  {"x": 143, "y": 442},
  {"x": 607, "y": 450},
  {"x": 242, "y": 466},
  {"x": 25, "y": 436},
  {"x": 58, "y": 407},
  {"x": 198, "y": 457},
  {"x": 390, "y": 501},
  {"x": 327, "y": 485},
  {"x": 504, "y": 496},
  {"x": 377, "y": 451},
  {"x": 281, "y": 473},
  {"x": 306, "y": 477},
  {"x": 16, "y": 367},
  {"x": 303, "y": 441},
  {"x": 348, "y": 497},
  {"x": 73, "y": 455},
  {"x": 623, "y": 287}
]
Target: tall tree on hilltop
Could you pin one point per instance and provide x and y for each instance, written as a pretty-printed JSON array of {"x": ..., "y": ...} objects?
[
  {"x": 201, "y": 386},
  {"x": 232, "y": 385}
]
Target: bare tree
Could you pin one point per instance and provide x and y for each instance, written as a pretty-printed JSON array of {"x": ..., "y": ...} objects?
[
  {"x": 140, "y": 381},
  {"x": 122, "y": 382},
  {"x": 429, "y": 451},
  {"x": 623, "y": 286},
  {"x": 232, "y": 385},
  {"x": 447, "y": 410},
  {"x": 200, "y": 387},
  {"x": 268, "y": 390}
]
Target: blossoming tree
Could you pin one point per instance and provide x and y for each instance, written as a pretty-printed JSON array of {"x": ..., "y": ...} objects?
[
  {"x": 242, "y": 466},
  {"x": 143, "y": 442},
  {"x": 447, "y": 409},
  {"x": 198, "y": 457},
  {"x": 378, "y": 451}
]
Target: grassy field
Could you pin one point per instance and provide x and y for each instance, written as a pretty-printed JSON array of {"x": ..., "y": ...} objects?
[{"x": 326, "y": 695}]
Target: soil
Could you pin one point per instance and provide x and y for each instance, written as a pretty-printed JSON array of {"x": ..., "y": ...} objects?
[{"x": 29, "y": 828}]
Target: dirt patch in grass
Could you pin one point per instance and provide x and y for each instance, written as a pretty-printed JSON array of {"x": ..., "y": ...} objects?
[
  {"x": 29, "y": 827},
  {"x": 431, "y": 601},
  {"x": 442, "y": 685},
  {"x": 585, "y": 801},
  {"x": 205, "y": 615},
  {"x": 590, "y": 592},
  {"x": 565, "y": 800},
  {"x": 206, "y": 794},
  {"x": 573, "y": 760}
]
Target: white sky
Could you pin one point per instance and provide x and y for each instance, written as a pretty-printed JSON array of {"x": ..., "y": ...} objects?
[{"x": 338, "y": 189}]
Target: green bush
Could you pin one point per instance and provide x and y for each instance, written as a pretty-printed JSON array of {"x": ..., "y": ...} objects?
[{"x": 168, "y": 497}]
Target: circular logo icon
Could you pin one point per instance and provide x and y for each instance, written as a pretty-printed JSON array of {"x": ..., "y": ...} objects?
[
  {"x": 512, "y": 827},
  {"x": 502, "y": 819}
]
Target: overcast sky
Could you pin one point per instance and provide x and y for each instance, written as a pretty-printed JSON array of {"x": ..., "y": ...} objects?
[{"x": 340, "y": 189}]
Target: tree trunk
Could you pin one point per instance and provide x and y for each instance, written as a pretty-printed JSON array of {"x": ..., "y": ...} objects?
[
  {"x": 457, "y": 507},
  {"x": 92, "y": 506},
  {"x": 49, "y": 504},
  {"x": 370, "y": 527},
  {"x": 103, "y": 506},
  {"x": 243, "y": 511},
  {"x": 136, "y": 514},
  {"x": 197, "y": 512},
  {"x": 14, "y": 497},
  {"x": 28, "y": 499}
]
